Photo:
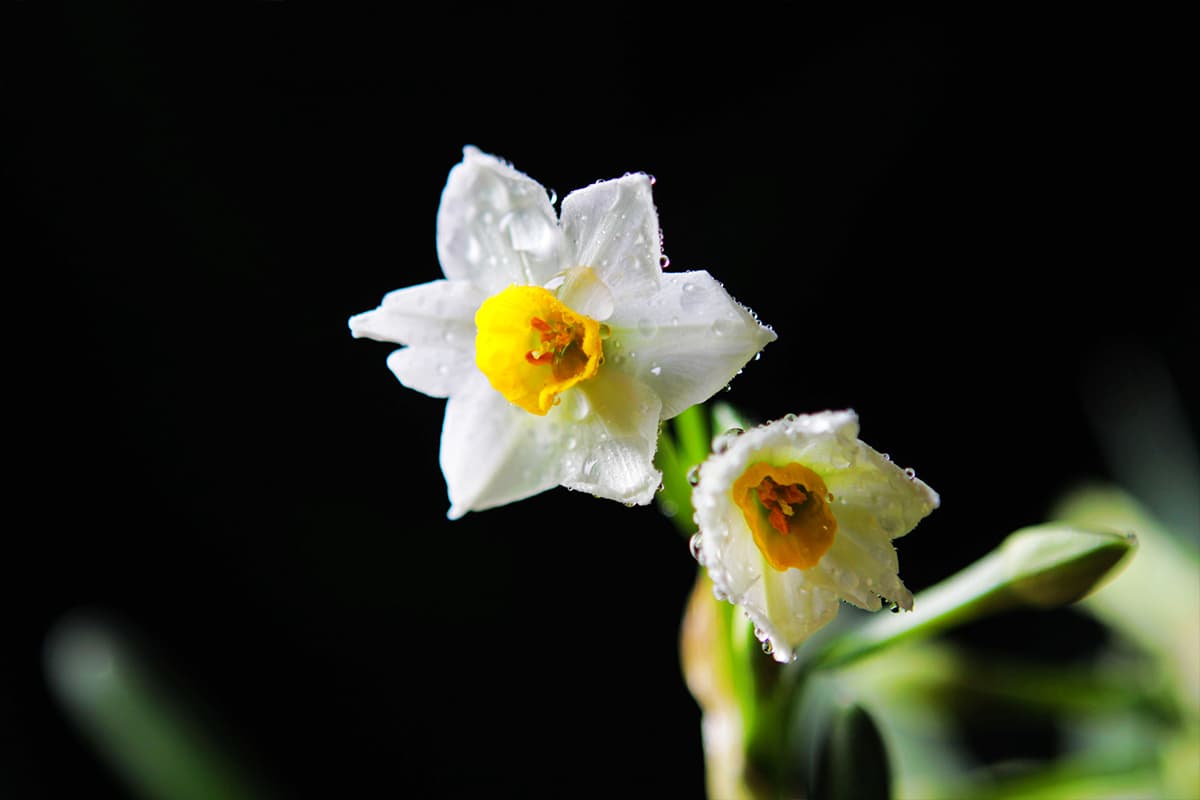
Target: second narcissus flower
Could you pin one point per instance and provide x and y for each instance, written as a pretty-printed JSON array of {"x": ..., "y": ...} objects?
[
  {"x": 560, "y": 342},
  {"x": 799, "y": 514}
]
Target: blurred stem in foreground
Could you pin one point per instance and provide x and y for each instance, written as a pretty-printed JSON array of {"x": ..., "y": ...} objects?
[{"x": 146, "y": 734}]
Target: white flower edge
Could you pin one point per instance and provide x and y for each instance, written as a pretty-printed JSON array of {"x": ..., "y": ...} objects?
[
  {"x": 875, "y": 501},
  {"x": 675, "y": 339}
]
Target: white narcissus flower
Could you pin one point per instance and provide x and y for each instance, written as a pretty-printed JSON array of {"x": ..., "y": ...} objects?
[
  {"x": 799, "y": 513},
  {"x": 560, "y": 343}
]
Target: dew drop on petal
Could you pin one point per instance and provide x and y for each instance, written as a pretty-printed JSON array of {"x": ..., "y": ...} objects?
[
  {"x": 656, "y": 370},
  {"x": 696, "y": 545},
  {"x": 693, "y": 475},
  {"x": 581, "y": 409},
  {"x": 910, "y": 473},
  {"x": 767, "y": 647},
  {"x": 722, "y": 442},
  {"x": 553, "y": 197},
  {"x": 663, "y": 261},
  {"x": 689, "y": 298},
  {"x": 720, "y": 327}
]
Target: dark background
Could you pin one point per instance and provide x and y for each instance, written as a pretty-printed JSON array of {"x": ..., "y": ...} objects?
[{"x": 962, "y": 227}]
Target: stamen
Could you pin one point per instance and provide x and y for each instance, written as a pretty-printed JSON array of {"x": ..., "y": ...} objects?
[
  {"x": 786, "y": 510},
  {"x": 531, "y": 347}
]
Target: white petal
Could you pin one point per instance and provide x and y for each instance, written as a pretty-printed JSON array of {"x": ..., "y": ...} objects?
[
  {"x": 789, "y": 609},
  {"x": 612, "y": 227},
  {"x": 581, "y": 289},
  {"x": 613, "y": 423},
  {"x": 496, "y": 226},
  {"x": 882, "y": 492},
  {"x": 857, "y": 570},
  {"x": 686, "y": 341},
  {"x": 494, "y": 452},
  {"x": 435, "y": 371},
  {"x": 438, "y": 313}
]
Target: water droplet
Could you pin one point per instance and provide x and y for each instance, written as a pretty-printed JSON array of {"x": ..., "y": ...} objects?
[
  {"x": 767, "y": 647},
  {"x": 581, "y": 409},
  {"x": 721, "y": 327},
  {"x": 693, "y": 475},
  {"x": 663, "y": 261},
  {"x": 474, "y": 250},
  {"x": 656, "y": 370},
  {"x": 696, "y": 544},
  {"x": 653, "y": 180},
  {"x": 894, "y": 608},
  {"x": 606, "y": 331},
  {"x": 691, "y": 300},
  {"x": 722, "y": 442},
  {"x": 910, "y": 473},
  {"x": 647, "y": 327},
  {"x": 553, "y": 197},
  {"x": 760, "y": 634},
  {"x": 589, "y": 468},
  {"x": 572, "y": 443},
  {"x": 758, "y": 355}
]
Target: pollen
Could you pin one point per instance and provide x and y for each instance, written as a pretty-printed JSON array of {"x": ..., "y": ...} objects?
[
  {"x": 532, "y": 347},
  {"x": 787, "y": 510}
]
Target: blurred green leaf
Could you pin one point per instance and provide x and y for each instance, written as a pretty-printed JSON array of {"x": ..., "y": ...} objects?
[{"x": 1156, "y": 601}]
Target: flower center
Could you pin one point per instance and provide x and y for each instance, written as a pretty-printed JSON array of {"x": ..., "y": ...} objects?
[
  {"x": 531, "y": 347},
  {"x": 787, "y": 510}
]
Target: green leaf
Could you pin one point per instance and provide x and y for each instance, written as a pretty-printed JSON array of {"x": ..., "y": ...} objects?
[{"x": 1042, "y": 566}]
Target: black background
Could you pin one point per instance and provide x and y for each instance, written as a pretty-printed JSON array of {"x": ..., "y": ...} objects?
[{"x": 961, "y": 227}]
